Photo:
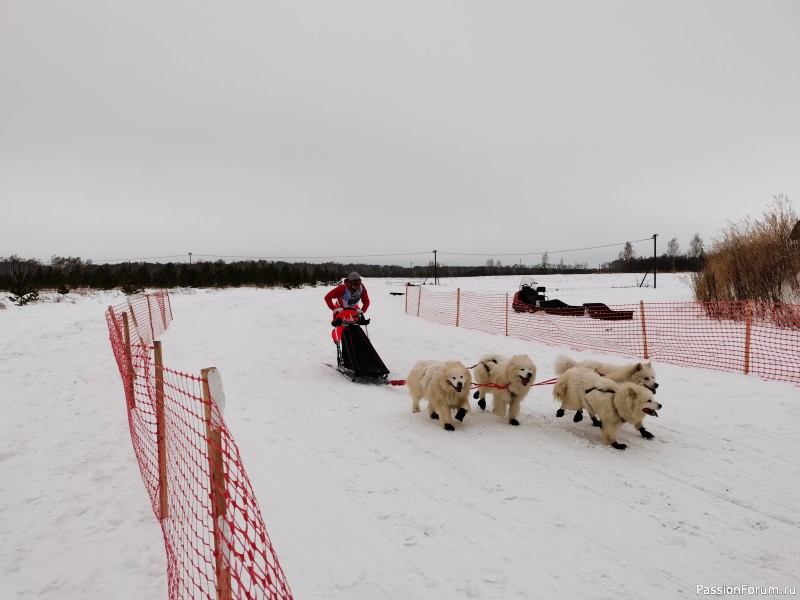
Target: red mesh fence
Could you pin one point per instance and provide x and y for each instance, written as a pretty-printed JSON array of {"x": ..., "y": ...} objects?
[
  {"x": 216, "y": 542},
  {"x": 746, "y": 337}
]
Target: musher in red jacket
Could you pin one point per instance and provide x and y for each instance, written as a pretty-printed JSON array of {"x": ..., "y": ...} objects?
[{"x": 347, "y": 295}]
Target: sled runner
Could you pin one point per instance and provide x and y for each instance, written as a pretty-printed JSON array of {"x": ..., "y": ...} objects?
[{"x": 355, "y": 355}]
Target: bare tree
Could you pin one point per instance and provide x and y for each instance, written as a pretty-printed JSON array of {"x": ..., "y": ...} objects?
[
  {"x": 696, "y": 248},
  {"x": 627, "y": 254},
  {"x": 672, "y": 251}
]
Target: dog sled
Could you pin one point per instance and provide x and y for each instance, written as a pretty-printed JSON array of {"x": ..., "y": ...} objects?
[
  {"x": 355, "y": 356},
  {"x": 532, "y": 299}
]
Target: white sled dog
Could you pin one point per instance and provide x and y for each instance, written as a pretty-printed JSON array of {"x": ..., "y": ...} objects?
[
  {"x": 630, "y": 403},
  {"x": 446, "y": 386},
  {"x": 572, "y": 386},
  {"x": 641, "y": 373},
  {"x": 514, "y": 375}
]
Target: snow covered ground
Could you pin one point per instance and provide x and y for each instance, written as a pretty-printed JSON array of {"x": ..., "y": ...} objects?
[{"x": 364, "y": 499}]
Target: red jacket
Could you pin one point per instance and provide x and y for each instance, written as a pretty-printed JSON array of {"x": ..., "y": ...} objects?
[{"x": 347, "y": 298}]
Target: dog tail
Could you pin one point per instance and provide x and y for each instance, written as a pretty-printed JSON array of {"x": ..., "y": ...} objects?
[
  {"x": 560, "y": 389},
  {"x": 563, "y": 363}
]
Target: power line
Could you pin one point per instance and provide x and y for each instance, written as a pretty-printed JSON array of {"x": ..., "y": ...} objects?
[
  {"x": 546, "y": 251},
  {"x": 363, "y": 256}
]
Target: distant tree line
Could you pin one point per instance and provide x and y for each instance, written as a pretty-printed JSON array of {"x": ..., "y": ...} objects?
[{"x": 22, "y": 276}]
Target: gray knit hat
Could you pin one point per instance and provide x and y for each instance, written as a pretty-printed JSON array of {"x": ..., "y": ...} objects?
[{"x": 354, "y": 276}]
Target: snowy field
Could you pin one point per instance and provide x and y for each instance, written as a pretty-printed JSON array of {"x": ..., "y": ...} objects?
[{"x": 364, "y": 499}]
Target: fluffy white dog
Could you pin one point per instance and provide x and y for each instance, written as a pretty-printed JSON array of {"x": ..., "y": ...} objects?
[
  {"x": 513, "y": 377},
  {"x": 630, "y": 403},
  {"x": 641, "y": 373},
  {"x": 572, "y": 386},
  {"x": 446, "y": 386}
]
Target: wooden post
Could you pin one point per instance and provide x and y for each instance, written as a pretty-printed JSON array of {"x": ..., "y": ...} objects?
[
  {"x": 419, "y": 299},
  {"x": 458, "y": 305},
  {"x": 217, "y": 490},
  {"x": 407, "y": 286},
  {"x": 135, "y": 323},
  {"x": 748, "y": 319},
  {"x": 129, "y": 362},
  {"x": 506, "y": 314},
  {"x": 161, "y": 433},
  {"x": 169, "y": 304},
  {"x": 116, "y": 323},
  {"x": 150, "y": 314},
  {"x": 644, "y": 328},
  {"x": 162, "y": 309}
]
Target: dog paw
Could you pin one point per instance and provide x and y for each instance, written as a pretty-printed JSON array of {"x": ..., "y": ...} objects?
[
  {"x": 434, "y": 415},
  {"x": 449, "y": 427},
  {"x": 513, "y": 422},
  {"x": 646, "y": 434},
  {"x": 476, "y": 395},
  {"x": 578, "y": 417},
  {"x": 460, "y": 414},
  {"x": 560, "y": 412},
  {"x": 597, "y": 422},
  {"x": 619, "y": 446},
  {"x": 482, "y": 403}
]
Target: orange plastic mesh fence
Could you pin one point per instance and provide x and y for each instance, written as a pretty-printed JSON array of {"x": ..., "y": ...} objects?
[
  {"x": 746, "y": 337},
  {"x": 191, "y": 469}
]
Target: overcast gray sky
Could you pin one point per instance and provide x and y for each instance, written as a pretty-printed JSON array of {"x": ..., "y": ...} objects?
[{"x": 134, "y": 129}]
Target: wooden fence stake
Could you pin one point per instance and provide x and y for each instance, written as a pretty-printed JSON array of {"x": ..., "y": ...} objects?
[
  {"x": 217, "y": 491},
  {"x": 644, "y": 328},
  {"x": 161, "y": 433},
  {"x": 129, "y": 361},
  {"x": 419, "y": 299},
  {"x": 162, "y": 309},
  {"x": 150, "y": 314},
  {"x": 407, "y": 298},
  {"x": 748, "y": 324},
  {"x": 458, "y": 305},
  {"x": 135, "y": 323}
]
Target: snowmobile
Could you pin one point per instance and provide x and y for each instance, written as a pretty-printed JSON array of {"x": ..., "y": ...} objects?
[
  {"x": 533, "y": 299},
  {"x": 355, "y": 355}
]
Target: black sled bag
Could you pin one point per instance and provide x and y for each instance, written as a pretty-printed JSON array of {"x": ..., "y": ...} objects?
[{"x": 358, "y": 355}]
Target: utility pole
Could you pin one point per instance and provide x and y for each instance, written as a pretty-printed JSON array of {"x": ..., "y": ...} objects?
[{"x": 655, "y": 235}]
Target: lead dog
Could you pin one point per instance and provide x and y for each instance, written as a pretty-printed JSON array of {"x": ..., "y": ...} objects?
[
  {"x": 572, "y": 386},
  {"x": 446, "y": 386},
  {"x": 630, "y": 403},
  {"x": 513, "y": 377},
  {"x": 641, "y": 373}
]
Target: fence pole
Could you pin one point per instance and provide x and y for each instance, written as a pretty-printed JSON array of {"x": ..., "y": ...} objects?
[
  {"x": 163, "y": 310},
  {"x": 644, "y": 328},
  {"x": 169, "y": 304},
  {"x": 135, "y": 324},
  {"x": 217, "y": 491},
  {"x": 506, "y": 314},
  {"x": 129, "y": 361},
  {"x": 406, "y": 298},
  {"x": 419, "y": 299},
  {"x": 150, "y": 314},
  {"x": 161, "y": 433},
  {"x": 748, "y": 324},
  {"x": 458, "y": 305}
]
